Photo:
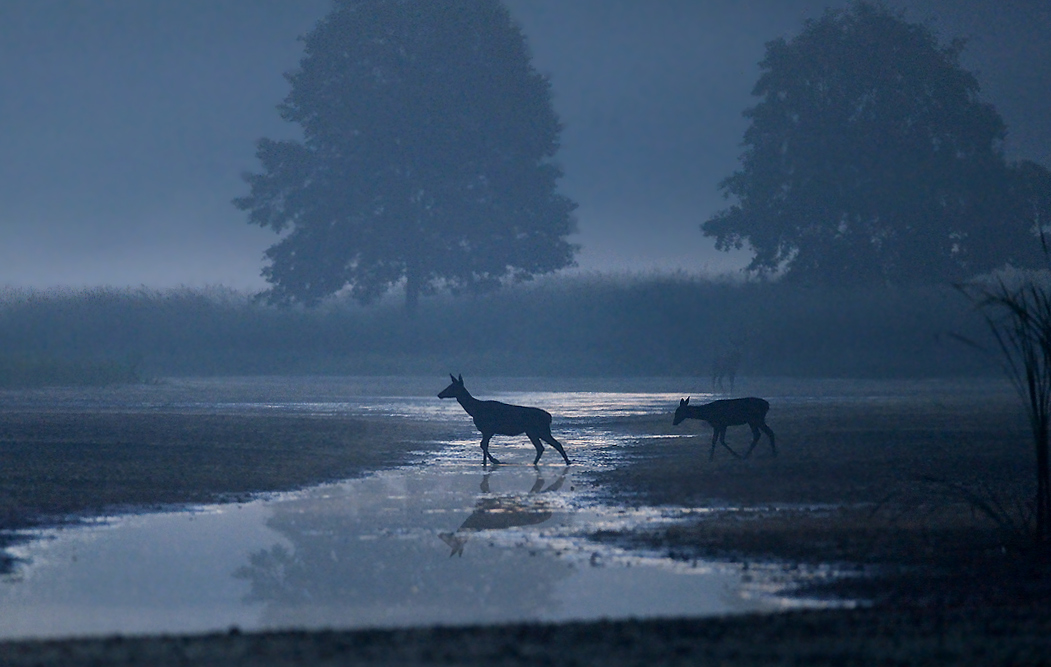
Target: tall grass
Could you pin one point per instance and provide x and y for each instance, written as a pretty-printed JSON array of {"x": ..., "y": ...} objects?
[
  {"x": 1017, "y": 309},
  {"x": 581, "y": 326}
]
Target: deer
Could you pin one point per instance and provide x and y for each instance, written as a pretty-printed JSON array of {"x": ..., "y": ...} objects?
[
  {"x": 724, "y": 367},
  {"x": 729, "y": 412},
  {"x": 496, "y": 418}
]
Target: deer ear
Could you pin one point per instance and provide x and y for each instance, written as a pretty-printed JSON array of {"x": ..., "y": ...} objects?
[
  {"x": 686, "y": 401},
  {"x": 451, "y": 377},
  {"x": 460, "y": 379}
]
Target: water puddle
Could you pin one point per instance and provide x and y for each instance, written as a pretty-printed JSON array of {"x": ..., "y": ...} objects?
[
  {"x": 443, "y": 541},
  {"x": 422, "y": 545}
]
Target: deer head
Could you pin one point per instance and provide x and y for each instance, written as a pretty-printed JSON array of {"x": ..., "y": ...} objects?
[
  {"x": 455, "y": 389},
  {"x": 681, "y": 412}
]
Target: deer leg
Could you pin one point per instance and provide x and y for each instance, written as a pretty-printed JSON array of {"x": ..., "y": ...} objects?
[
  {"x": 539, "y": 447},
  {"x": 550, "y": 439},
  {"x": 755, "y": 439},
  {"x": 557, "y": 484},
  {"x": 538, "y": 485},
  {"x": 455, "y": 541},
  {"x": 769, "y": 432},
  {"x": 722, "y": 439},
  {"x": 485, "y": 450},
  {"x": 715, "y": 441}
]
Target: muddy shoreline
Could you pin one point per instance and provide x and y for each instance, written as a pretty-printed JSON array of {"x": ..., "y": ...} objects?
[
  {"x": 56, "y": 466},
  {"x": 887, "y": 485},
  {"x": 895, "y": 490}
]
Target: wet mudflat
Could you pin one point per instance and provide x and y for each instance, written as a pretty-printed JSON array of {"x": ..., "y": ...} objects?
[
  {"x": 848, "y": 488},
  {"x": 893, "y": 482},
  {"x": 440, "y": 540}
]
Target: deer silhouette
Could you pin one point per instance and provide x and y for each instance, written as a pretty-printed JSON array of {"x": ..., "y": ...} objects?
[
  {"x": 502, "y": 512},
  {"x": 496, "y": 418},
  {"x": 729, "y": 412},
  {"x": 724, "y": 369}
]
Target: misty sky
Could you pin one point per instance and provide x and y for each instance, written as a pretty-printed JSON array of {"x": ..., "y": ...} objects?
[{"x": 126, "y": 124}]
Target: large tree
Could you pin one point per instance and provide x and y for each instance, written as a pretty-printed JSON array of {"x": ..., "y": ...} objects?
[
  {"x": 426, "y": 159},
  {"x": 870, "y": 157}
]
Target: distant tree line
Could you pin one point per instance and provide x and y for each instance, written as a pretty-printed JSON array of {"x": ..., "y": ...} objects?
[{"x": 602, "y": 327}]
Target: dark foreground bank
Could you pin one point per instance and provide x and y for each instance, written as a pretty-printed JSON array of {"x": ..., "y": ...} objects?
[{"x": 854, "y": 637}]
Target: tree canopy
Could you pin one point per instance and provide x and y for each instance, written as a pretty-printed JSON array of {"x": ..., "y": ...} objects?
[
  {"x": 870, "y": 158},
  {"x": 426, "y": 158}
]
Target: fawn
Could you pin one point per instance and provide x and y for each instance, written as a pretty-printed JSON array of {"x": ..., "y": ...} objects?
[{"x": 729, "y": 412}]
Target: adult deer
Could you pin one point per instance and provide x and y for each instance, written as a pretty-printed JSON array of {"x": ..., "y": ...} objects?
[
  {"x": 729, "y": 412},
  {"x": 724, "y": 368},
  {"x": 496, "y": 418}
]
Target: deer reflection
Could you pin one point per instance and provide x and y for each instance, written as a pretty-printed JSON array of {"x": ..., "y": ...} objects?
[{"x": 504, "y": 511}]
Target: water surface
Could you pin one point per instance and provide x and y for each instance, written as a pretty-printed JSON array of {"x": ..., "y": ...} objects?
[{"x": 440, "y": 541}]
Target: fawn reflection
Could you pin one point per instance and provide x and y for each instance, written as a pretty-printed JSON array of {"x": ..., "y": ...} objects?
[{"x": 497, "y": 512}]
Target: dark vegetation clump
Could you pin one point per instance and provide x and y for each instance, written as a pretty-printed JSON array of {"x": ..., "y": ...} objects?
[{"x": 580, "y": 326}]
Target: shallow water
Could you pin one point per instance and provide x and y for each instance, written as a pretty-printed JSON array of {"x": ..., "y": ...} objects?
[{"x": 441, "y": 541}]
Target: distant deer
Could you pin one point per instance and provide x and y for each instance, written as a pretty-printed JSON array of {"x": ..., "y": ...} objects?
[
  {"x": 724, "y": 367},
  {"x": 496, "y": 418},
  {"x": 501, "y": 512},
  {"x": 729, "y": 412}
]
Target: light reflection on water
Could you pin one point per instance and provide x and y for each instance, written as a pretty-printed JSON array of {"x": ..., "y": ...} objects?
[
  {"x": 438, "y": 542},
  {"x": 412, "y": 546}
]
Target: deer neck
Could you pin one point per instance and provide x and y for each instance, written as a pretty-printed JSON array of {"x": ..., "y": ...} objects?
[{"x": 468, "y": 403}]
